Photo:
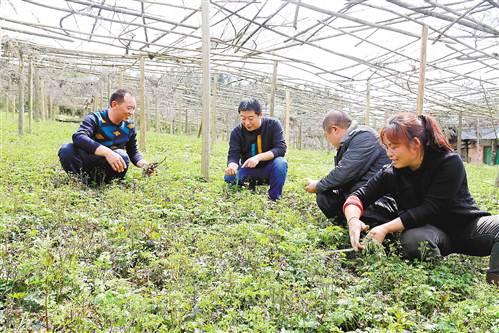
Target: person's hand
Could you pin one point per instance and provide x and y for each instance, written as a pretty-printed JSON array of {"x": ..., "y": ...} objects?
[
  {"x": 311, "y": 186},
  {"x": 355, "y": 227},
  {"x": 251, "y": 162},
  {"x": 115, "y": 161},
  {"x": 231, "y": 169},
  {"x": 148, "y": 169},
  {"x": 378, "y": 233}
]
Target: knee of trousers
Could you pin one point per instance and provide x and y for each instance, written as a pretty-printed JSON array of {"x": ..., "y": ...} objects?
[
  {"x": 413, "y": 240},
  {"x": 66, "y": 151},
  {"x": 280, "y": 164},
  {"x": 322, "y": 200}
]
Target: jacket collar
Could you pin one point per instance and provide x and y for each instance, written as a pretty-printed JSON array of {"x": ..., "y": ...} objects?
[{"x": 353, "y": 126}]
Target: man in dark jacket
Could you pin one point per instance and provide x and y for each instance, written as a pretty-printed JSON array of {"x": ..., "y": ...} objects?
[
  {"x": 105, "y": 143},
  {"x": 257, "y": 149},
  {"x": 359, "y": 156}
]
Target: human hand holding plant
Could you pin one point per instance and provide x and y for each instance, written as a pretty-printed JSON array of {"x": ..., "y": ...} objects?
[
  {"x": 311, "y": 186},
  {"x": 231, "y": 169},
  {"x": 378, "y": 233},
  {"x": 355, "y": 227},
  {"x": 149, "y": 169}
]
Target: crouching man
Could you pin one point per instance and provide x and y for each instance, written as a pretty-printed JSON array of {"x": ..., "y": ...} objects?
[
  {"x": 105, "y": 143},
  {"x": 256, "y": 150}
]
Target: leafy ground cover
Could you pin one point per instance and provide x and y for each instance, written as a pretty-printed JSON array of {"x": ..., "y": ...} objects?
[{"x": 173, "y": 253}]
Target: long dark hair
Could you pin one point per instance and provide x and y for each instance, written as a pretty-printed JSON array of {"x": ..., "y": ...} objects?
[{"x": 404, "y": 127}]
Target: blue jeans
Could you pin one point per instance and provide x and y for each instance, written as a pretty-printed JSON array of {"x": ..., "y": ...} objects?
[
  {"x": 93, "y": 168},
  {"x": 274, "y": 173}
]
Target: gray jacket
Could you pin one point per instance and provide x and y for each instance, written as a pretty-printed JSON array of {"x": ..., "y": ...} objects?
[{"x": 359, "y": 157}]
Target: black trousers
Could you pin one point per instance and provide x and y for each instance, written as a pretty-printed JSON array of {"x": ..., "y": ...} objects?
[
  {"x": 331, "y": 204},
  {"x": 91, "y": 167},
  {"x": 479, "y": 238}
]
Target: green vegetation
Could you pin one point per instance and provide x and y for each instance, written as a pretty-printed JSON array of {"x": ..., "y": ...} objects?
[{"x": 172, "y": 253}]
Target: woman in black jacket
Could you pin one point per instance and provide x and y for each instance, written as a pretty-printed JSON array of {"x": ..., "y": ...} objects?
[{"x": 428, "y": 181}]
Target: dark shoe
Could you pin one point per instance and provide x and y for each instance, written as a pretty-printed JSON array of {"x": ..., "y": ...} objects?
[{"x": 493, "y": 278}]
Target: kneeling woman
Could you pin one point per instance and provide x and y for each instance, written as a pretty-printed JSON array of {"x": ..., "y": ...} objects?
[{"x": 428, "y": 181}]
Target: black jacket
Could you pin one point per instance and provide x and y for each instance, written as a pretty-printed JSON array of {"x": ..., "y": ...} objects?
[
  {"x": 244, "y": 144},
  {"x": 359, "y": 157},
  {"x": 436, "y": 193}
]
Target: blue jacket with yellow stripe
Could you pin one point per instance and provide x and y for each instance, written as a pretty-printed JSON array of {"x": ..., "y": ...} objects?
[{"x": 96, "y": 130}]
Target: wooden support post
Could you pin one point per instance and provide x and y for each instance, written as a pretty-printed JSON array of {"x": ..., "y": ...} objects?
[
  {"x": 213, "y": 109},
  {"x": 227, "y": 134},
  {"x": 479, "y": 155},
  {"x": 174, "y": 111},
  {"x": 43, "y": 110},
  {"x": 287, "y": 111},
  {"x": 205, "y": 155},
  {"x": 36, "y": 89},
  {"x": 422, "y": 70},
  {"x": 13, "y": 106},
  {"x": 300, "y": 135},
  {"x": 108, "y": 87},
  {"x": 20, "y": 100},
  {"x": 49, "y": 107},
  {"x": 30, "y": 97},
  {"x": 200, "y": 129},
  {"x": 101, "y": 100},
  {"x": 478, "y": 131},
  {"x": 7, "y": 98},
  {"x": 52, "y": 109},
  {"x": 273, "y": 90},
  {"x": 459, "y": 133},
  {"x": 50, "y": 114},
  {"x": 147, "y": 108},
  {"x": 142, "y": 106},
  {"x": 368, "y": 103},
  {"x": 157, "y": 119}
]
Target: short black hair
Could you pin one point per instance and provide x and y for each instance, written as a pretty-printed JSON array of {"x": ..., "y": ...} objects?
[
  {"x": 119, "y": 96},
  {"x": 251, "y": 104}
]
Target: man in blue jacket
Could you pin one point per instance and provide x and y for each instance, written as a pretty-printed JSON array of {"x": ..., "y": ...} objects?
[
  {"x": 257, "y": 149},
  {"x": 359, "y": 156},
  {"x": 105, "y": 143}
]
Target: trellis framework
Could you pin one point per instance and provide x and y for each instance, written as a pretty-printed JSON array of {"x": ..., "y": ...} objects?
[{"x": 361, "y": 56}]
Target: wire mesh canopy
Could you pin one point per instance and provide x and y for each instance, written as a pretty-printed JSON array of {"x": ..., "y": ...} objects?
[{"x": 347, "y": 54}]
